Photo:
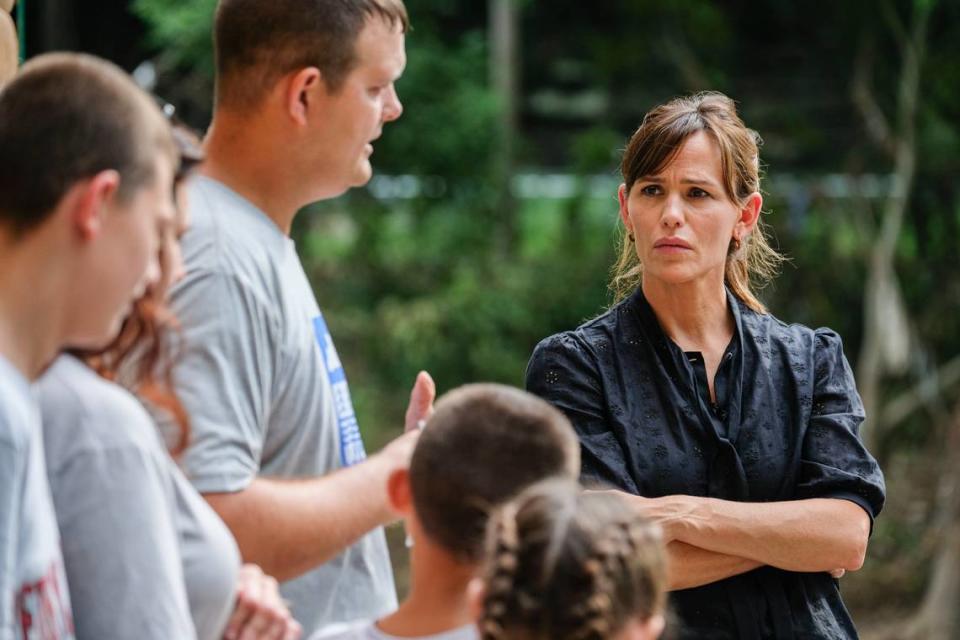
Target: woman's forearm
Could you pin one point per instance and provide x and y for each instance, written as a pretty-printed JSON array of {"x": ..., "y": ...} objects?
[
  {"x": 820, "y": 534},
  {"x": 690, "y": 566}
]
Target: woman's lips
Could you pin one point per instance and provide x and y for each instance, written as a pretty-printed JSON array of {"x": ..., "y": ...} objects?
[{"x": 672, "y": 245}]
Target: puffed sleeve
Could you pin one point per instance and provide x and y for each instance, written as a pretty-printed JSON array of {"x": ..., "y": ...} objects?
[
  {"x": 563, "y": 371},
  {"x": 834, "y": 461}
]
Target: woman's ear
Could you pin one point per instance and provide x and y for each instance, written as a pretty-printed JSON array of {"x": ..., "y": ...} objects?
[
  {"x": 301, "y": 92},
  {"x": 749, "y": 214},
  {"x": 622, "y": 195}
]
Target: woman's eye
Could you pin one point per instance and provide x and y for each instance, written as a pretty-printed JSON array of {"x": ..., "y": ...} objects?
[
  {"x": 650, "y": 190},
  {"x": 696, "y": 192}
]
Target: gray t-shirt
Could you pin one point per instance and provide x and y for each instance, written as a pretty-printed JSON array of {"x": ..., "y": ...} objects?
[
  {"x": 265, "y": 389},
  {"x": 145, "y": 554},
  {"x": 366, "y": 630},
  {"x": 34, "y": 598}
]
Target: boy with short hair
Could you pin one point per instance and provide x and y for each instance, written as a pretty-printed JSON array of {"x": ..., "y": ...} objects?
[
  {"x": 484, "y": 444},
  {"x": 86, "y": 165}
]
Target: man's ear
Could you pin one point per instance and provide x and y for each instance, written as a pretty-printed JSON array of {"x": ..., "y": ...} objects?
[
  {"x": 476, "y": 592},
  {"x": 398, "y": 492},
  {"x": 301, "y": 92},
  {"x": 89, "y": 200}
]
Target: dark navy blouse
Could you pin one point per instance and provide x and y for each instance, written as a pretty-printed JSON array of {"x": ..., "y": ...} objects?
[{"x": 784, "y": 427}]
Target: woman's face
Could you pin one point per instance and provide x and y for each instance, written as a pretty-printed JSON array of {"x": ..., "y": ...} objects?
[
  {"x": 682, "y": 219},
  {"x": 171, "y": 258}
]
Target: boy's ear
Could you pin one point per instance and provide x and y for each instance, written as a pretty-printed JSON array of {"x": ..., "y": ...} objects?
[
  {"x": 476, "y": 592},
  {"x": 89, "y": 200},
  {"x": 399, "y": 495}
]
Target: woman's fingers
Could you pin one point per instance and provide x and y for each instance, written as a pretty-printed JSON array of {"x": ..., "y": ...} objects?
[
  {"x": 294, "y": 631},
  {"x": 260, "y": 613},
  {"x": 265, "y": 613},
  {"x": 242, "y": 610}
]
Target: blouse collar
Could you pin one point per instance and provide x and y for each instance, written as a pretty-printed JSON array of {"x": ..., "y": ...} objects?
[{"x": 645, "y": 315}]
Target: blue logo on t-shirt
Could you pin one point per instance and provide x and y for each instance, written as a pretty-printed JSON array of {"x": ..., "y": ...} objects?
[{"x": 351, "y": 444}]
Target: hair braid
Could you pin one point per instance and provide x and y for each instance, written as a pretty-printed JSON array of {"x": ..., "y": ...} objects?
[
  {"x": 500, "y": 583},
  {"x": 603, "y": 564},
  {"x": 566, "y": 565}
]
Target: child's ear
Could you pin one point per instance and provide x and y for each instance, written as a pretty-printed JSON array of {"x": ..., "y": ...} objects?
[
  {"x": 649, "y": 629},
  {"x": 476, "y": 592},
  {"x": 655, "y": 626},
  {"x": 398, "y": 492}
]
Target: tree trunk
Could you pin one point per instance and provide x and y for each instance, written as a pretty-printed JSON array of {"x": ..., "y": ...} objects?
[
  {"x": 885, "y": 320},
  {"x": 504, "y": 20}
]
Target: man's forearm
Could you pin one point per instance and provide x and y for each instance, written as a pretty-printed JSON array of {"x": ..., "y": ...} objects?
[
  {"x": 289, "y": 527},
  {"x": 690, "y": 566}
]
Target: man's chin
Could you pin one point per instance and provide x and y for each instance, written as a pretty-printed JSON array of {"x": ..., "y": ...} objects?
[{"x": 362, "y": 175}]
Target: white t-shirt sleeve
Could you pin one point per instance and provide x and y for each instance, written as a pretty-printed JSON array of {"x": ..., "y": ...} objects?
[
  {"x": 224, "y": 378},
  {"x": 367, "y": 630},
  {"x": 11, "y": 488}
]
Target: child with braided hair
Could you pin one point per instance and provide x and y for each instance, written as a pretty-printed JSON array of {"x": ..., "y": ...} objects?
[
  {"x": 484, "y": 444},
  {"x": 567, "y": 565}
]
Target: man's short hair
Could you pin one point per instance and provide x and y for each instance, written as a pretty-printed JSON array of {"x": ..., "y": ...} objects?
[
  {"x": 65, "y": 118},
  {"x": 256, "y": 42},
  {"x": 484, "y": 444}
]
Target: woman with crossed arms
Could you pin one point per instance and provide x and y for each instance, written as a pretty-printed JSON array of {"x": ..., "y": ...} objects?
[{"x": 736, "y": 432}]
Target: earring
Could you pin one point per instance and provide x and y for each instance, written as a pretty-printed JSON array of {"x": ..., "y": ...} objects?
[
  {"x": 630, "y": 235},
  {"x": 735, "y": 244}
]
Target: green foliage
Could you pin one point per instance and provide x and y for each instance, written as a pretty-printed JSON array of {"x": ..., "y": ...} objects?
[{"x": 180, "y": 28}]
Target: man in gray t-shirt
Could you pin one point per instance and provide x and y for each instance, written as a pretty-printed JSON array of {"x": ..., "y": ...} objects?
[{"x": 276, "y": 448}]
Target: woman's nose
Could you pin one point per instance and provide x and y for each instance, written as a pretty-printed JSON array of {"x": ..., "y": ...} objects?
[{"x": 672, "y": 214}]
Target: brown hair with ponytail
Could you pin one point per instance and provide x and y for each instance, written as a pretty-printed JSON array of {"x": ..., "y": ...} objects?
[
  {"x": 654, "y": 145},
  {"x": 566, "y": 565}
]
